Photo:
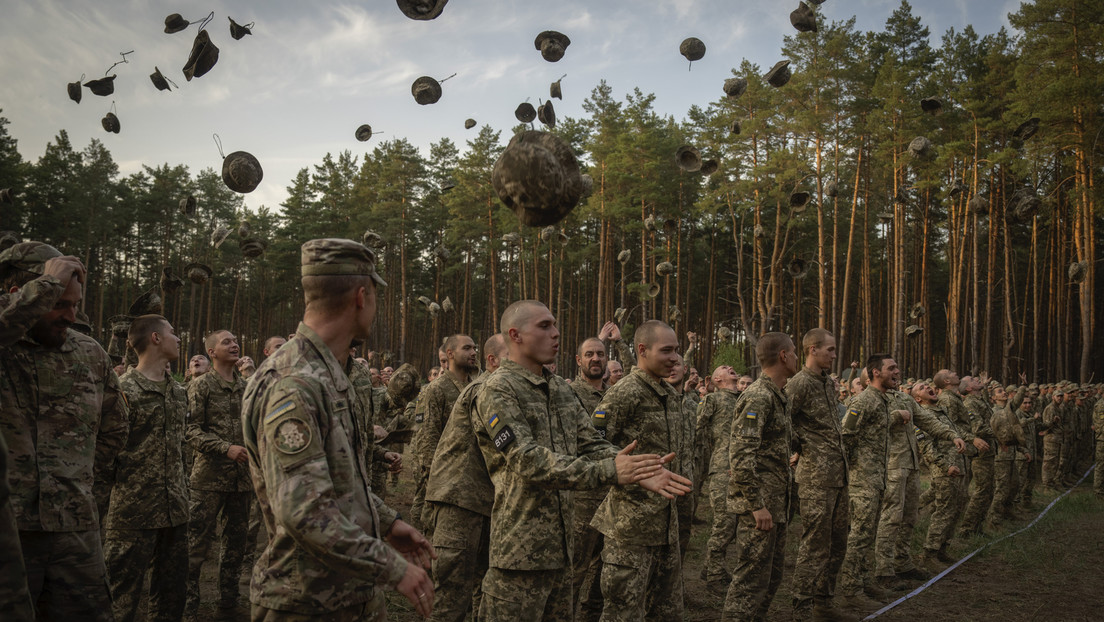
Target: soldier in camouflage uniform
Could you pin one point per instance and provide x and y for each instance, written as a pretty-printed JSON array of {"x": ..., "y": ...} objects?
[
  {"x": 147, "y": 523},
  {"x": 333, "y": 545},
  {"x": 821, "y": 478},
  {"x": 1069, "y": 438},
  {"x": 1052, "y": 441},
  {"x": 219, "y": 487},
  {"x": 759, "y": 449},
  {"x": 981, "y": 467},
  {"x": 19, "y": 311},
  {"x": 1010, "y": 448},
  {"x": 1098, "y": 434},
  {"x": 459, "y": 496},
  {"x": 1025, "y": 469},
  {"x": 688, "y": 468},
  {"x": 641, "y": 564},
  {"x": 539, "y": 444},
  {"x": 64, "y": 422},
  {"x": 434, "y": 406},
  {"x": 714, "y": 419}
]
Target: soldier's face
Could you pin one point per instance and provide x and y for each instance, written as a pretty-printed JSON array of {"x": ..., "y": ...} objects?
[
  {"x": 168, "y": 342},
  {"x": 823, "y": 356},
  {"x": 1027, "y": 404},
  {"x": 660, "y": 357},
  {"x": 465, "y": 356},
  {"x": 743, "y": 383},
  {"x": 1000, "y": 395},
  {"x": 226, "y": 348},
  {"x": 539, "y": 337},
  {"x": 199, "y": 365},
  {"x": 890, "y": 374},
  {"x": 678, "y": 373},
  {"x": 51, "y": 329},
  {"x": 592, "y": 359},
  {"x": 616, "y": 372}
]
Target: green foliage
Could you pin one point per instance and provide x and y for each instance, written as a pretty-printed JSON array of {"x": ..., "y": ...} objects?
[{"x": 728, "y": 354}]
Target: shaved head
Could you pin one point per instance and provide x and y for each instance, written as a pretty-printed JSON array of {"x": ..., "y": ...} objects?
[
  {"x": 495, "y": 346},
  {"x": 519, "y": 313},
  {"x": 588, "y": 343}
]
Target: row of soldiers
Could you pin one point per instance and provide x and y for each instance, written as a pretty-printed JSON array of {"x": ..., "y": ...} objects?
[{"x": 539, "y": 498}]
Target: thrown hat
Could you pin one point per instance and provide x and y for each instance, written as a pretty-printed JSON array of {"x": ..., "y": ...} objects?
[
  {"x": 538, "y": 177},
  {"x": 735, "y": 127},
  {"x": 525, "y": 112},
  {"x": 74, "y": 91},
  {"x": 426, "y": 90},
  {"x": 552, "y": 45},
  {"x": 373, "y": 240},
  {"x": 102, "y": 86},
  {"x": 779, "y": 74},
  {"x": 688, "y": 158},
  {"x": 188, "y": 205},
  {"x": 241, "y": 172},
  {"x": 175, "y": 23},
  {"x": 120, "y": 325},
  {"x": 448, "y": 184},
  {"x": 1078, "y": 270},
  {"x": 364, "y": 132},
  {"x": 931, "y": 105},
  {"x": 624, "y": 256},
  {"x": 665, "y": 268},
  {"x": 110, "y": 122},
  {"x": 735, "y": 87},
  {"x": 913, "y": 329},
  {"x": 27, "y": 257},
  {"x": 469, "y": 124},
  {"x": 513, "y": 238},
  {"x": 169, "y": 282},
  {"x": 202, "y": 58},
  {"x": 425, "y": 301},
  {"x": 619, "y": 314},
  {"x": 446, "y": 305},
  {"x": 6, "y": 196},
  {"x": 335, "y": 256},
  {"x": 434, "y": 309},
  {"x": 159, "y": 80},
  {"x": 237, "y": 31},
  {"x": 422, "y": 10},
  {"x": 441, "y": 252},
  {"x": 245, "y": 229},
  {"x": 1026, "y": 205},
  {"x": 653, "y": 289},
  {"x": 978, "y": 204},
  {"x": 709, "y": 166},
  {"x": 588, "y": 185},
  {"x": 1026, "y": 129},
  {"x": 252, "y": 248},
  {"x": 921, "y": 147},
  {"x": 759, "y": 231},
  {"x": 692, "y": 48},
  {"x": 547, "y": 233},
  {"x": 650, "y": 223},
  {"x": 798, "y": 268},
  {"x": 546, "y": 114},
  {"x": 917, "y": 311},
  {"x": 403, "y": 385},
  {"x": 885, "y": 217},
  {"x": 198, "y": 273},
  {"x": 149, "y": 303},
  {"x": 831, "y": 188},
  {"x": 957, "y": 188},
  {"x": 674, "y": 314},
  {"x": 724, "y": 332},
  {"x": 554, "y": 90},
  {"x": 8, "y": 239},
  {"x": 799, "y": 201},
  {"x": 803, "y": 18}
]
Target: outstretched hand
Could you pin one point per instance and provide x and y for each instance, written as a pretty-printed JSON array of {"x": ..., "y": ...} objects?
[
  {"x": 610, "y": 332},
  {"x": 632, "y": 469},
  {"x": 667, "y": 483},
  {"x": 411, "y": 543}
]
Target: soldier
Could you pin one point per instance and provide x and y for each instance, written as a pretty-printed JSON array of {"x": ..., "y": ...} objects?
[
  {"x": 539, "y": 444},
  {"x": 219, "y": 485},
  {"x": 866, "y": 439},
  {"x": 759, "y": 451},
  {"x": 981, "y": 466},
  {"x": 246, "y": 367},
  {"x": 147, "y": 523},
  {"x": 947, "y": 466},
  {"x": 1010, "y": 448},
  {"x": 1025, "y": 469},
  {"x": 690, "y": 468},
  {"x": 459, "y": 497},
  {"x": 615, "y": 372},
  {"x": 1052, "y": 441},
  {"x": 328, "y": 555},
  {"x": 714, "y": 419},
  {"x": 64, "y": 422},
  {"x": 1098, "y": 429},
  {"x": 272, "y": 344},
  {"x": 197, "y": 366},
  {"x": 443, "y": 358},
  {"x": 821, "y": 479},
  {"x": 641, "y": 565},
  {"x": 434, "y": 406},
  {"x": 1069, "y": 439}
]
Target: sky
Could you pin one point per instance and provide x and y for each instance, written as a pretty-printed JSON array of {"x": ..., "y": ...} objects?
[{"x": 312, "y": 72}]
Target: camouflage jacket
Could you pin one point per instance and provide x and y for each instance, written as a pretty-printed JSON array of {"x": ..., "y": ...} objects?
[
  {"x": 686, "y": 466},
  {"x": 817, "y": 431},
  {"x": 434, "y": 406},
  {"x": 956, "y": 411},
  {"x": 759, "y": 450},
  {"x": 20, "y": 311},
  {"x": 904, "y": 451},
  {"x": 980, "y": 412},
  {"x": 1028, "y": 426},
  {"x": 65, "y": 423},
  {"x": 150, "y": 490},
  {"x": 1050, "y": 425},
  {"x": 538, "y": 444},
  {"x": 361, "y": 381},
  {"x": 866, "y": 436},
  {"x": 1008, "y": 433},
  {"x": 649, "y": 411},
  {"x": 301, "y": 421},
  {"x": 214, "y": 424},
  {"x": 940, "y": 454},
  {"x": 458, "y": 475},
  {"x": 714, "y": 423},
  {"x": 1098, "y": 423},
  {"x": 590, "y": 397}
]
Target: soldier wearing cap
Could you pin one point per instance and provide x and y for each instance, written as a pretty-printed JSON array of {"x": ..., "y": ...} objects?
[
  {"x": 1051, "y": 429},
  {"x": 64, "y": 422},
  {"x": 1098, "y": 434},
  {"x": 333, "y": 545}
]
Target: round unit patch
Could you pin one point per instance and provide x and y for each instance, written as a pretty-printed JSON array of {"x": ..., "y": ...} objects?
[{"x": 292, "y": 436}]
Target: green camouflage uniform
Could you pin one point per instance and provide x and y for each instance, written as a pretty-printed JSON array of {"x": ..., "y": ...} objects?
[
  {"x": 1069, "y": 441},
  {"x": 64, "y": 423},
  {"x": 1025, "y": 469},
  {"x": 759, "y": 449},
  {"x": 641, "y": 564},
  {"x": 1098, "y": 423},
  {"x": 587, "y": 559},
  {"x": 539, "y": 445},
  {"x": 1010, "y": 447},
  {"x": 1052, "y": 445},
  {"x": 219, "y": 487},
  {"x": 981, "y": 467},
  {"x": 866, "y": 439},
  {"x": 691, "y": 468},
  {"x": 361, "y": 380},
  {"x": 714, "y": 420},
  {"x": 821, "y": 487},
  {"x": 325, "y": 552},
  {"x": 434, "y": 405},
  {"x": 948, "y": 492},
  {"x": 459, "y": 497},
  {"x": 147, "y": 524}
]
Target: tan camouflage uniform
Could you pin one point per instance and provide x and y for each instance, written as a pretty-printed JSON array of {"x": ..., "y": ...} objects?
[
  {"x": 949, "y": 492},
  {"x": 434, "y": 405},
  {"x": 1052, "y": 445},
  {"x": 981, "y": 466},
  {"x": 147, "y": 524},
  {"x": 587, "y": 559},
  {"x": 1026, "y": 472},
  {"x": 1010, "y": 448},
  {"x": 1098, "y": 423},
  {"x": 714, "y": 420}
]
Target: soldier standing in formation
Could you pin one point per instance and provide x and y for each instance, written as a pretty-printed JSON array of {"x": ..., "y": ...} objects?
[
  {"x": 714, "y": 421},
  {"x": 981, "y": 467},
  {"x": 1026, "y": 468},
  {"x": 1052, "y": 441},
  {"x": 1098, "y": 429},
  {"x": 1010, "y": 448}
]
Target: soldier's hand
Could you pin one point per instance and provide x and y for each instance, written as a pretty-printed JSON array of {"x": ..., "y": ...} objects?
[
  {"x": 237, "y": 453},
  {"x": 905, "y": 415},
  {"x": 1027, "y": 456},
  {"x": 632, "y": 469},
  {"x": 379, "y": 432},
  {"x": 692, "y": 338},
  {"x": 417, "y": 587},
  {"x": 980, "y": 444},
  {"x": 667, "y": 484},
  {"x": 64, "y": 268},
  {"x": 763, "y": 521},
  {"x": 412, "y": 544},
  {"x": 793, "y": 460},
  {"x": 394, "y": 461},
  {"x": 953, "y": 471},
  {"x": 960, "y": 445},
  {"x": 612, "y": 332}
]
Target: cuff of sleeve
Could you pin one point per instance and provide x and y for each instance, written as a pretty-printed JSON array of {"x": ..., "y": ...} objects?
[
  {"x": 394, "y": 571},
  {"x": 607, "y": 472},
  {"x": 224, "y": 448}
]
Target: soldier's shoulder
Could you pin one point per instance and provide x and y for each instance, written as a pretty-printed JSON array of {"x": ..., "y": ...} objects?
[
  {"x": 869, "y": 398},
  {"x": 87, "y": 347}
]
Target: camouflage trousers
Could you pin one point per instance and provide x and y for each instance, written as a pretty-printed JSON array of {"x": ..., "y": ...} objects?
[
  {"x": 1098, "y": 475},
  {"x": 685, "y": 506},
  {"x": 1052, "y": 455},
  {"x": 981, "y": 470},
  {"x": 1005, "y": 484},
  {"x": 723, "y": 530},
  {"x": 949, "y": 498},
  {"x": 587, "y": 560},
  {"x": 760, "y": 557},
  {"x": 1026, "y": 476},
  {"x": 865, "y": 506},
  {"x": 530, "y": 595},
  {"x": 641, "y": 582},
  {"x": 15, "y": 598},
  {"x": 1068, "y": 455},
  {"x": 209, "y": 509},
  {"x": 162, "y": 554},
  {"x": 374, "y": 610},
  {"x": 461, "y": 538},
  {"x": 900, "y": 503},
  {"x": 417, "y": 506},
  {"x": 824, "y": 518},
  {"x": 66, "y": 575},
  {"x": 255, "y": 537}
]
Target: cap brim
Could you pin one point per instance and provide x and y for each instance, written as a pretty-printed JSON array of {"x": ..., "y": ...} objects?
[{"x": 378, "y": 279}]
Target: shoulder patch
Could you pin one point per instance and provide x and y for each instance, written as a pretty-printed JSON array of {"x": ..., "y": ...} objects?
[
  {"x": 493, "y": 421},
  {"x": 503, "y": 438},
  {"x": 752, "y": 415},
  {"x": 281, "y": 408},
  {"x": 292, "y": 436},
  {"x": 599, "y": 414}
]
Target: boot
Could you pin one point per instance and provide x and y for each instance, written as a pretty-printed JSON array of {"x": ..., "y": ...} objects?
[
  {"x": 891, "y": 583},
  {"x": 826, "y": 611},
  {"x": 877, "y": 592},
  {"x": 945, "y": 557},
  {"x": 914, "y": 574},
  {"x": 859, "y": 602}
]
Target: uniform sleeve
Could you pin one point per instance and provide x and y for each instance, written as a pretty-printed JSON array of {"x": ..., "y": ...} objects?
[
  {"x": 434, "y": 413},
  {"x": 931, "y": 456},
  {"x": 202, "y": 440},
  {"x": 978, "y": 425},
  {"x": 503, "y": 430},
  {"x": 703, "y": 427},
  {"x": 748, "y": 422},
  {"x": 930, "y": 424},
  {"x": 799, "y": 404},
  {"x": 20, "y": 311},
  {"x": 110, "y": 438},
  {"x": 301, "y": 491},
  {"x": 625, "y": 355}
]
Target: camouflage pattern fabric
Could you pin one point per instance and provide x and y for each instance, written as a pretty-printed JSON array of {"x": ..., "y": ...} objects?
[
  {"x": 434, "y": 405},
  {"x": 981, "y": 467},
  {"x": 20, "y": 311},
  {"x": 325, "y": 551},
  {"x": 948, "y": 493},
  {"x": 825, "y": 518},
  {"x": 1052, "y": 445},
  {"x": 761, "y": 557},
  {"x": 374, "y": 611},
  {"x": 587, "y": 557},
  {"x": 641, "y": 582},
  {"x": 461, "y": 538},
  {"x": 458, "y": 474},
  {"x": 1010, "y": 447},
  {"x": 66, "y": 575},
  {"x": 221, "y": 518},
  {"x": 1098, "y": 423},
  {"x": 714, "y": 425},
  {"x": 214, "y": 424},
  {"x": 163, "y": 554},
  {"x": 692, "y": 470},
  {"x": 722, "y": 530},
  {"x": 537, "y": 595}
]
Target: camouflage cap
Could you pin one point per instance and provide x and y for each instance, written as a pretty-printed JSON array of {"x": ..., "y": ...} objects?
[
  {"x": 403, "y": 385},
  {"x": 27, "y": 256},
  {"x": 335, "y": 256}
]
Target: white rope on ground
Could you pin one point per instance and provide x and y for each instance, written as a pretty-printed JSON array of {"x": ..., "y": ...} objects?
[{"x": 980, "y": 549}]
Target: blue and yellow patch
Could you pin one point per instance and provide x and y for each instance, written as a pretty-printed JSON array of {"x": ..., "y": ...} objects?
[
  {"x": 853, "y": 412},
  {"x": 281, "y": 409},
  {"x": 752, "y": 415},
  {"x": 599, "y": 414},
  {"x": 493, "y": 421}
]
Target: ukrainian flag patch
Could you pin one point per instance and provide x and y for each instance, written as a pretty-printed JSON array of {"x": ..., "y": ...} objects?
[
  {"x": 853, "y": 412},
  {"x": 752, "y": 415},
  {"x": 493, "y": 421},
  {"x": 599, "y": 414},
  {"x": 286, "y": 407}
]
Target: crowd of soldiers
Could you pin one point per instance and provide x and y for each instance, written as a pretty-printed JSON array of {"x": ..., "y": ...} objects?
[{"x": 535, "y": 498}]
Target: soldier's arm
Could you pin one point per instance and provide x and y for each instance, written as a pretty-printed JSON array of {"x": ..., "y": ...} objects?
[
  {"x": 431, "y": 407},
  {"x": 625, "y": 355},
  {"x": 930, "y": 424},
  {"x": 978, "y": 425},
  {"x": 592, "y": 442},
  {"x": 20, "y": 311},
  {"x": 110, "y": 438},
  {"x": 928, "y": 451},
  {"x": 799, "y": 401},
  {"x": 201, "y": 439},
  {"x": 748, "y": 423}
]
